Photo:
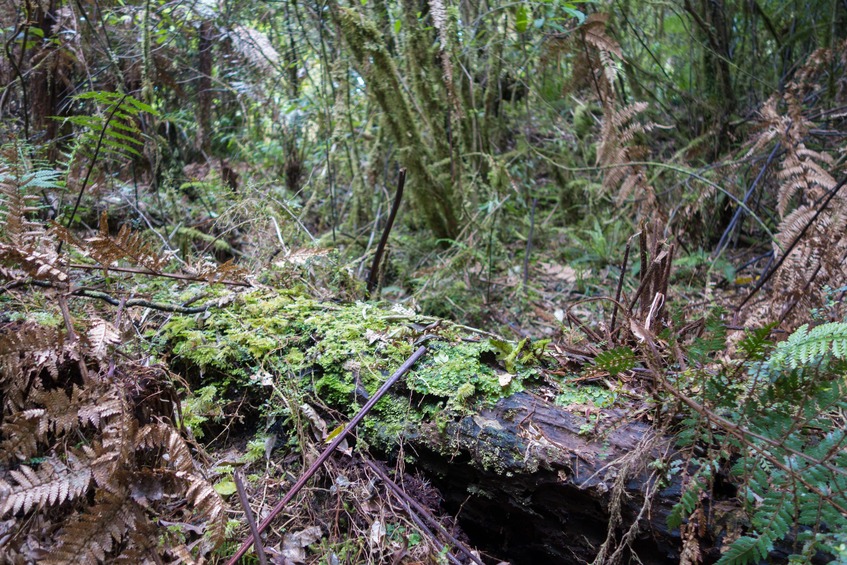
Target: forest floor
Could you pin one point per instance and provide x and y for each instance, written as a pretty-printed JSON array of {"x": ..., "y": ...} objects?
[{"x": 537, "y": 427}]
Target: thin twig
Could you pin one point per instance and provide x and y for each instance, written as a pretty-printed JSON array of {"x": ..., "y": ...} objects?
[
  {"x": 91, "y": 166},
  {"x": 724, "y": 241},
  {"x": 373, "y": 276},
  {"x": 178, "y": 276},
  {"x": 619, "y": 290},
  {"x": 248, "y": 515},
  {"x": 408, "y": 500},
  {"x": 529, "y": 245},
  {"x": 301, "y": 482}
]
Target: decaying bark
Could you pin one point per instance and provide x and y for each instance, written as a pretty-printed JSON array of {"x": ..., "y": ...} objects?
[{"x": 525, "y": 482}]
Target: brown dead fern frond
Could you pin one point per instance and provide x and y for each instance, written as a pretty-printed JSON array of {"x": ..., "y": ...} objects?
[
  {"x": 618, "y": 149},
  {"x": 21, "y": 433},
  {"x": 166, "y": 439},
  {"x": 26, "y": 350},
  {"x": 813, "y": 218},
  {"x": 21, "y": 237},
  {"x": 16, "y": 205},
  {"x": 133, "y": 472},
  {"x": 51, "y": 483},
  {"x": 126, "y": 245},
  {"x": 90, "y": 536}
]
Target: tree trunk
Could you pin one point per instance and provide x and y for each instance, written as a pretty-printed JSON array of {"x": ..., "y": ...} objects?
[{"x": 204, "y": 87}]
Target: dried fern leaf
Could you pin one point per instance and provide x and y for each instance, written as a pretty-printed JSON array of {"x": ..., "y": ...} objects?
[
  {"x": 16, "y": 203},
  {"x": 50, "y": 484},
  {"x": 225, "y": 271},
  {"x": 126, "y": 245},
  {"x": 41, "y": 263},
  {"x": 101, "y": 335},
  {"x": 208, "y": 505},
  {"x": 32, "y": 346},
  {"x": 91, "y": 536},
  {"x": 166, "y": 438},
  {"x": 21, "y": 433}
]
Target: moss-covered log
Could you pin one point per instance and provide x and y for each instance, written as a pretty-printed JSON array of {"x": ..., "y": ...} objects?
[{"x": 532, "y": 478}]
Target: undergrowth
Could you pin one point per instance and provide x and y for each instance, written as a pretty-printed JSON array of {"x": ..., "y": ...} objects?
[
  {"x": 773, "y": 424},
  {"x": 92, "y": 456}
]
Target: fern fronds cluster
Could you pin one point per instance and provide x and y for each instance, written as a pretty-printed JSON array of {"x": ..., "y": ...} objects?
[
  {"x": 89, "y": 446},
  {"x": 781, "y": 438},
  {"x": 811, "y": 224},
  {"x": 618, "y": 149},
  {"x": 113, "y": 127},
  {"x": 75, "y": 456}
]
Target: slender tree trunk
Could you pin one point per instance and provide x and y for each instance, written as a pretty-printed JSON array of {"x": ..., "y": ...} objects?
[{"x": 204, "y": 87}]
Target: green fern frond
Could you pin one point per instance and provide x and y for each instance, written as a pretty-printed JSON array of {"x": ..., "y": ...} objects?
[
  {"x": 616, "y": 360},
  {"x": 746, "y": 549},
  {"x": 805, "y": 346},
  {"x": 114, "y": 129}
]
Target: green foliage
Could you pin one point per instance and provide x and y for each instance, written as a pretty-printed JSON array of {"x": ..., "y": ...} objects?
[
  {"x": 201, "y": 405},
  {"x": 457, "y": 372},
  {"x": 113, "y": 128},
  {"x": 616, "y": 360},
  {"x": 786, "y": 438},
  {"x": 338, "y": 350},
  {"x": 689, "y": 498},
  {"x": 806, "y": 347},
  {"x": 586, "y": 395},
  {"x": 713, "y": 339}
]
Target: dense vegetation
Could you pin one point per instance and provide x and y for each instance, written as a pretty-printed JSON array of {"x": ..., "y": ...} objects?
[{"x": 626, "y": 209}]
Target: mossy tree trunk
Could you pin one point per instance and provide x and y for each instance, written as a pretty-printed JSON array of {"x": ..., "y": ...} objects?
[{"x": 416, "y": 127}]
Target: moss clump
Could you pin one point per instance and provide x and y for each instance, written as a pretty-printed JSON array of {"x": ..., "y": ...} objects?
[{"x": 340, "y": 354}]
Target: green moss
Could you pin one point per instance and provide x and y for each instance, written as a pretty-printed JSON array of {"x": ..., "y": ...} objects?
[
  {"x": 457, "y": 372},
  {"x": 346, "y": 346},
  {"x": 587, "y": 395}
]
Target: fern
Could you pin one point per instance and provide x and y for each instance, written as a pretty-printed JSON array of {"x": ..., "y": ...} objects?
[
  {"x": 805, "y": 346},
  {"x": 803, "y": 182},
  {"x": 97, "y": 494},
  {"x": 126, "y": 245},
  {"x": 21, "y": 237},
  {"x": 90, "y": 536},
  {"x": 785, "y": 434},
  {"x": 17, "y": 202},
  {"x": 52, "y": 483},
  {"x": 617, "y": 149},
  {"x": 113, "y": 129},
  {"x": 616, "y": 360}
]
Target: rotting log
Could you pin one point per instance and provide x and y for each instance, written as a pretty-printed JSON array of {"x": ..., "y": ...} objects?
[
  {"x": 526, "y": 484},
  {"x": 530, "y": 481}
]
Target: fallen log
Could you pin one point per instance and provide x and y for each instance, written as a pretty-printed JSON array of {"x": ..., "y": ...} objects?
[
  {"x": 529, "y": 485},
  {"x": 530, "y": 480}
]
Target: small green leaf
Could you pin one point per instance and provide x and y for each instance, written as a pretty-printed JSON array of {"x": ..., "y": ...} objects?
[
  {"x": 225, "y": 487},
  {"x": 521, "y": 18},
  {"x": 616, "y": 360},
  {"x": 397, "y": 25},
  {"x": 573, "y": 12}
]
